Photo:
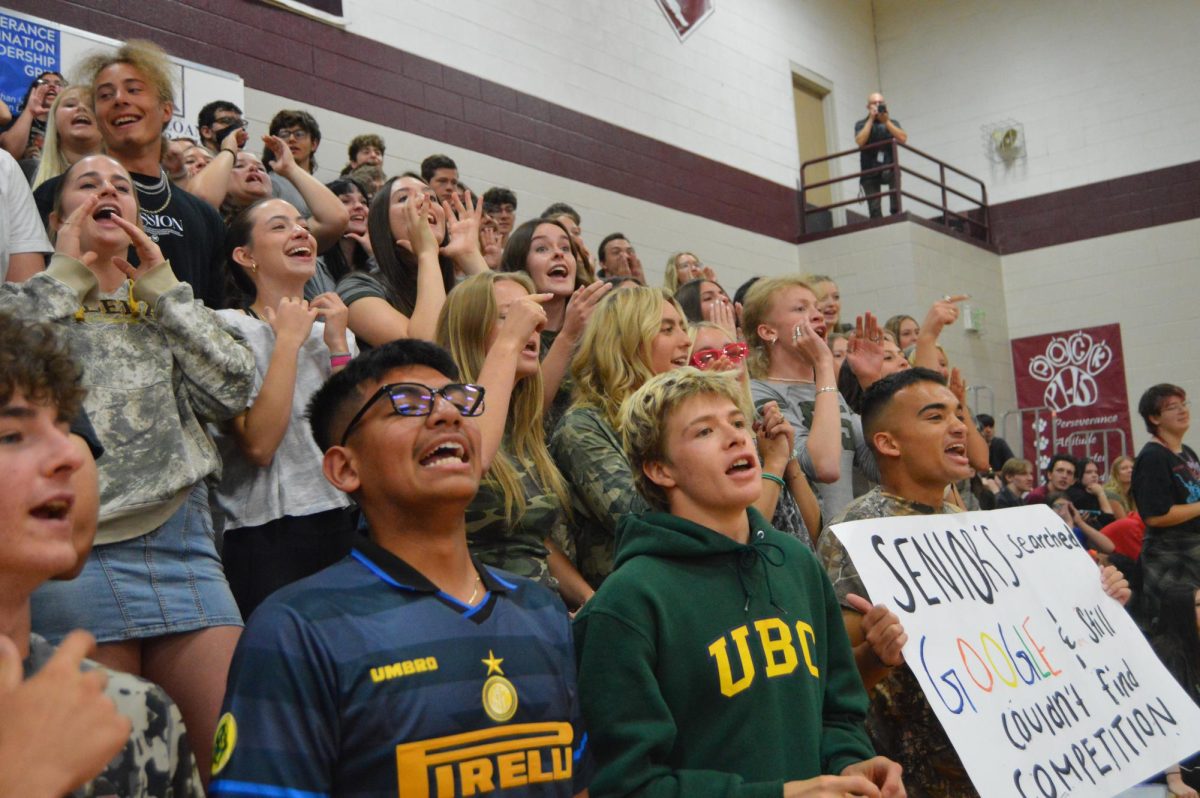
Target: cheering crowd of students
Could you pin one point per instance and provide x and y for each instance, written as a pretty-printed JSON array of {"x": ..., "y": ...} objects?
[{"x": 494, "y": 516}]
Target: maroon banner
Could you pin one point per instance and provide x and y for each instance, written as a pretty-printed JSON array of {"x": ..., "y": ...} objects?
[
  {"x": 1072, "y": 395},
  {"x": 685, "y": 16}
]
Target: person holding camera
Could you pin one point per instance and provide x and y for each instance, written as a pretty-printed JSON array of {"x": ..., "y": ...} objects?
[{"x": 876, "y": 127}]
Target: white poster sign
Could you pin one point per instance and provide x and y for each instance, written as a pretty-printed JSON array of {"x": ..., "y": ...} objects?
[{"x": 1043, "y": 683}]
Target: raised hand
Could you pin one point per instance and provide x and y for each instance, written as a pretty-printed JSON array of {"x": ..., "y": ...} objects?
[
  {"x": 635, "y": 267},
  {"x": 149, "y": 255},
  {"x": 363, "y": 241},
  {"x": 331, "y": 310},
  {"x": 420, "y": 235},
  {"x": 493, "y": 249},
  {"x": 883, "y": 631},
  {"x": 67, "y": 239},
  {"x": 524, "y": 317},
  {"x": 580, "y": 307},
  {"x": 958, "y": 386},
  {"x": 812, "y": 347},
  {"x": 59, "y": 729},
  {"x": 463, "y": 221},
  {"x": 236, "y": 140},
  {"x": 283, "y": 162},
  {"x": 943, "y": 312},
  {"x": 865, "y": 352},
  {"x": 38, "y": 104},
  {"x": 721, "y": 313},
  {"x": 776, "y": 436},
  {"x": 292, "y": 321}
]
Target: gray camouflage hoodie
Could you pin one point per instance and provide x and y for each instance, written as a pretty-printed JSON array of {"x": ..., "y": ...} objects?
[{"x": 156, "y": 370}]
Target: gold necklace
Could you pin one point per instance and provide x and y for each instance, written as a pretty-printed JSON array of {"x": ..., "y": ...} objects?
[{"x": 475, "y": 590}]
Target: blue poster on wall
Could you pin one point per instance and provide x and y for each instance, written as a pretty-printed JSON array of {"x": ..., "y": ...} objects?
[{"x": 27, "y": 49}]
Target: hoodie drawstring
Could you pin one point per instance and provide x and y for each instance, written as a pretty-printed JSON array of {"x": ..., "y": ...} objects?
[{"x": 760, "y": 552}]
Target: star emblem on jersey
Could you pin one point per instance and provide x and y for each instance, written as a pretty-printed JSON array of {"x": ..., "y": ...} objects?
[
  {"x": 499, "y": 694},
  {"x": 493, "y": 663}
]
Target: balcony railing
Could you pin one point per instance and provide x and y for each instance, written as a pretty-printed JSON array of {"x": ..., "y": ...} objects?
[{"x": 974, "y": 222}]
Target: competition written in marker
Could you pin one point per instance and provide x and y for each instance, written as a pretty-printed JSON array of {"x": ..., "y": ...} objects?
[{"x": 1043, "y": 683}]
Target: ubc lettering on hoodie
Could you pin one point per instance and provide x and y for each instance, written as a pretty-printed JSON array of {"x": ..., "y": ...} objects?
[{"x": 693, "y": 640}]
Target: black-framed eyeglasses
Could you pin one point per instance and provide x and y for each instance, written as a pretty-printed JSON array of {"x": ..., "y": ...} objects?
[
  {"x": 415, "y": 399},
  {"x": 299, "y": 134}
]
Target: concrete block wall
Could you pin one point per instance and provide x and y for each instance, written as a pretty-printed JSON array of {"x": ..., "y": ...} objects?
[
  {"x": 725, "y": 93},
  {"x": 1143, "y": 279},
  {"x": 1099, "y": 85},
  {"x": 905, "y": 268}
]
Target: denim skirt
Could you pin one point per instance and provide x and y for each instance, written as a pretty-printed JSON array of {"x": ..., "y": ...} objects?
[{"x": 168, "y": 581}]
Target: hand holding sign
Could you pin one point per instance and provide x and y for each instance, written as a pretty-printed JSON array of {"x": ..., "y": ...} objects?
[
  {"x": 1036, "y": 675},
  {"x": 883, "y": 631}
]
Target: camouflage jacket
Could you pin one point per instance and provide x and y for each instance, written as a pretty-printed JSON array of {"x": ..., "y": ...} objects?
[
  {"x": 157, "y": 761},
  {"x": 518, "y": 547},
  {"x": 592, "y": 460},
  {"x": 900, "y": 721},
  {"x": 155, "y": 368}
]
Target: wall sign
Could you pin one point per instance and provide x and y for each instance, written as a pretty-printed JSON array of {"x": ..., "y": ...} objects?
[
  {"x": 27, "y": 49},
  {"x": 1079, "y": 377},
  {"x": 1043, "y": 683},
  {"x": 685, "y": 16}
]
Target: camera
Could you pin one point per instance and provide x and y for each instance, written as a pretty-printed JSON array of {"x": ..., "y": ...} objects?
[{"x": 881, "y": 108}]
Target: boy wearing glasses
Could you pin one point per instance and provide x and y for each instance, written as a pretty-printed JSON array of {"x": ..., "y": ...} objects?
[
  {"x": 1166, "y": 488},
  {"x": 302, "y": 135},
  {"x": 408, "y": 666},
  {"x": 713, "y": 660}
]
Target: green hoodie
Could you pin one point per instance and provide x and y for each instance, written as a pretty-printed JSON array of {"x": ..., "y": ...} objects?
[{"x": 712, "y": 668}]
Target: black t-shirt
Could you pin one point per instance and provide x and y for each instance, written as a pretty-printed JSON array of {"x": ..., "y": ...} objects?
[
  {"x": 188, "y": 230},
  {"x": 879, "y": 156},
  {"x": 1162, "y": 479},
  {"x": 999, "y": 453}
]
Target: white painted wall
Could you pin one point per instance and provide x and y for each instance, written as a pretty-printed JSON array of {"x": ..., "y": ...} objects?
[
  {"x": 1145, "y": 279},
  {"x": 655, "y": 232},
  {"x": 725, "y": 93},
  {"x": 1102, "y": 87}
]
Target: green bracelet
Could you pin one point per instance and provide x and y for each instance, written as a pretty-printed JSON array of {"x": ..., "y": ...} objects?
[{"x": 777, "y": 480}]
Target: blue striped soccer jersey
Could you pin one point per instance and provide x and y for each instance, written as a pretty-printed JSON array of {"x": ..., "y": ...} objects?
[{"x": 366, "y": 680}]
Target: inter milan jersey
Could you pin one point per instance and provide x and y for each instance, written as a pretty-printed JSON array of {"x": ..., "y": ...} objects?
[{"x": 366, "y": 680}]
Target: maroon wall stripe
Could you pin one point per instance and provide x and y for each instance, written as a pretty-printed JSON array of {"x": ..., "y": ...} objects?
[
  {"x": 279, "y": 52},
  {"x": 1099, "y": 209}
]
